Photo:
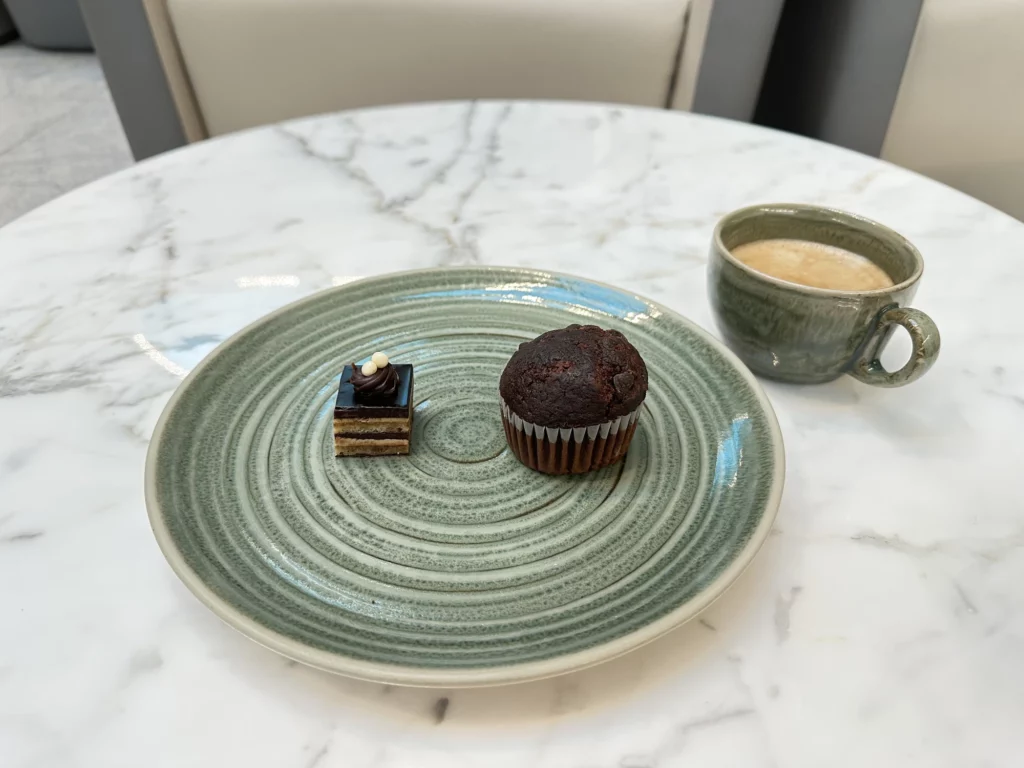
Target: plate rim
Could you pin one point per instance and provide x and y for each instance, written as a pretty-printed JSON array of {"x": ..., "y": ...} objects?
[{"x": 431, "y": 677}]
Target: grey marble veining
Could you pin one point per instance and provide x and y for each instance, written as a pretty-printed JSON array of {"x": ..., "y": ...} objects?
[
  {"x": 58, "y": 127},
  {"x": 880, "y": 625}
]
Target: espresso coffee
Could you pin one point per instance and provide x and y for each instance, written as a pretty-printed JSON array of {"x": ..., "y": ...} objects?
[{"x": 813, "y": 264}]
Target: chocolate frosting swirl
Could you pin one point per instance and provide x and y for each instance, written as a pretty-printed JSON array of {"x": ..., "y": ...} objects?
[{"x": 377, "y": 386}]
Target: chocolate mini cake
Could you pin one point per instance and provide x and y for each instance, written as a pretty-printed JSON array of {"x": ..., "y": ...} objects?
[
  {"x": 570, "y": 399},
  {"x": 373, "y": 412}
]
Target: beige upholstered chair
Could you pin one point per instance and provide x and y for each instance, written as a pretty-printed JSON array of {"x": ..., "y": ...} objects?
[
  {"x": 225, "y": 65},
  {"x": 254, "y": 62},
  {"x": 959, "y": 112}
]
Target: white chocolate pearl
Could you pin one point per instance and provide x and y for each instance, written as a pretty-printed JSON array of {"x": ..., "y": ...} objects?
[
  {"x": 380, "y": 359},
  {"x": 369, "y": 368}
]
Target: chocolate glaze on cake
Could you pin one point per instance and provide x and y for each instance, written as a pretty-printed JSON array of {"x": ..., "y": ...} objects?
[
  {"x": 350, "y": 406},
  {"x": 574, "y": 377}
]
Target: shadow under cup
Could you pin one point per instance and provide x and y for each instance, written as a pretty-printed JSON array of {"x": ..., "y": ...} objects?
[{"x": 797, "y": 333}]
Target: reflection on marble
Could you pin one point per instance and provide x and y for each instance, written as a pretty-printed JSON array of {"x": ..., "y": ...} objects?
[
  {"x": 58, "y": 127},
  {"x": 882, "y": 624}
]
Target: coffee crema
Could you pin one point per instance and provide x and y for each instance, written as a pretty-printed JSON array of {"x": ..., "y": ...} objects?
[{"x": 813, "y": 264}]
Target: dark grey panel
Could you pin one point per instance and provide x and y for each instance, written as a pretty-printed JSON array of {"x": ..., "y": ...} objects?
[
  {"x": 7, "y": 30},
  {"x": 123, "y": 40},
  {"x": 736, "y": 50},
  {"x": 836, "y": 69},
  {"x": 54, "y": 24}
]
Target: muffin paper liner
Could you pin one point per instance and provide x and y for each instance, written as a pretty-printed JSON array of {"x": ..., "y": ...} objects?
[{"x": 568, "y": 451}]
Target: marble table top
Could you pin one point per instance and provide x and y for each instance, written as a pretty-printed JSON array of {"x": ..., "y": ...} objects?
[{"x": 882, "y": 624}]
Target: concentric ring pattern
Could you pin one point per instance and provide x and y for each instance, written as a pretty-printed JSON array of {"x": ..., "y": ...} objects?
[{"x": 456, "y": 561}]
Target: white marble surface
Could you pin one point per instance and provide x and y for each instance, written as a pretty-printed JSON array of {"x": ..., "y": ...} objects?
[
  {"x": 58, "y": 127},
  {"x": 882, "y": 625}
]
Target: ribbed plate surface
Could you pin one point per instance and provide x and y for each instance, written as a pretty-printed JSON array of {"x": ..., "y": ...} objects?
[{"x": 456, "y": 565}]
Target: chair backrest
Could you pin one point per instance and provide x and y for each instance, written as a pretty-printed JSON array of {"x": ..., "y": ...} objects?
[
  {"x": 234, "y": 64},
  {"x": 253, "y": 63},
  {"x": 959, "y": 114}
]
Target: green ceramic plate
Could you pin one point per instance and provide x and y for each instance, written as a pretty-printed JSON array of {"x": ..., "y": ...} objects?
[{"x": 456, "y": 565}]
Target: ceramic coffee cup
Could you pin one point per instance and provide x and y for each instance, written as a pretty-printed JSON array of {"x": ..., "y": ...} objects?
[{"x": 796, "y": 333}]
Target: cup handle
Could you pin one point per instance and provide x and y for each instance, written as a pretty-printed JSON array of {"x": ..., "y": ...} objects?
[{"x": 924, "y": 335}]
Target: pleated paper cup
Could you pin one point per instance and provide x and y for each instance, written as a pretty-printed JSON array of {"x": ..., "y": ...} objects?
[{"x": 568, "y": 451}]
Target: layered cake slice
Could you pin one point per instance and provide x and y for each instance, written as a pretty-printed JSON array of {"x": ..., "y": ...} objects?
[{"x": 373, "y": 412}]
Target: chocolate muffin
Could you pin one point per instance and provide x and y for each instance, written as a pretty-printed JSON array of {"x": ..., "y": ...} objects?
[{"x": 570, "y": 399}]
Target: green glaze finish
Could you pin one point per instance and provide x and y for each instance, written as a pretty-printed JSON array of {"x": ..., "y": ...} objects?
[
  {"x": 456, "y": 565},
  {"x": 808, "y": 335}
]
